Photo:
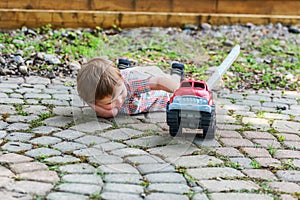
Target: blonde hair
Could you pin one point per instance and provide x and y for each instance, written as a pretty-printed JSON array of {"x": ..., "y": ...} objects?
[{"x": 96, "y": 79}]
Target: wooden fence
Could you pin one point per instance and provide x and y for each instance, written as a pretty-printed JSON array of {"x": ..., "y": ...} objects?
[{"x": 137, "y": 13}]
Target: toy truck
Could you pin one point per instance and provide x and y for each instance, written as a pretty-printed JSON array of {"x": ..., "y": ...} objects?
[{"x": 192, "y": 106}]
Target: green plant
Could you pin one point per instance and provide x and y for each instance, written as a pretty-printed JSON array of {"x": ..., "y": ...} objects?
[
  {"x": 260, "y": 114},
  {"x": 39, "y": 197},
  {"x": 53, "y": 168},
  {"x": 41, "y": 157},
  {"x": 190, "y": 194},
  {"x": 100, "y": 173},
  {"x": 281, "y": 138},
  {"x": 233, "y": 101},
  {"x": 255, "y": 164},
  {"x": 184, "y": 173},
  {"x": 272, "y": 130},
  {"x": 145, "y": 183},
  {"x": 232, "y": 165},
  {"x": 272, "y": 150},
  {"x": 261, "y": 101},
  {"x": 43, "y": 116},
  {"x": 94, "y": 196},
  {"x": 69, "y": 84},
  {"x": 19, "y": 109},
  {"x": 36, "y": 123}
]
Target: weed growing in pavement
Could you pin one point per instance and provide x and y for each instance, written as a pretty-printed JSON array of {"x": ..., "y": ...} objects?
[
  {"x": 190, "y": 194},
  {"x": 39, "y": 121},
  {"x": 69, "y": 84},
  {"x": 53, "y": 168},
  {"x": 261, "y": 101},
  {"x": 57, "y": 183},
  {"x": 260, "y": 114},
  {"x": 39, "y": 197},
  {"x": 100, "y": 173},
  {"x": 281, "y": 138},
  {"x": 292, "y": 117},
  {"x": 69, "y": 125},
  {"x": 288, "y": 165},
  {"x": 41, "y": 157},
  {"x": 272, "y": 150},
  {"x": 145, "y": 183},
  {"x": 19, "y": 109},
  {"x": 233, "y": 165},
  {"x": 36, "y": 123},
  {"x": 272, "y": 130},
  {"x": 44, "y": 116},
  {"x": 255, "y": 164},
  {"x": 94, "y": 196},
  {"x": 183, "y": 171},
  {"x": 233, "y": 101}
]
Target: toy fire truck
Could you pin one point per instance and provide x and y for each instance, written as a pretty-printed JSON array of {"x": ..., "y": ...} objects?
[{"x": 192, "y": 105}]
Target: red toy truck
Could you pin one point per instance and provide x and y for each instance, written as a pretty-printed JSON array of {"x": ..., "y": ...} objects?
[{"x": 191, "y": 106}]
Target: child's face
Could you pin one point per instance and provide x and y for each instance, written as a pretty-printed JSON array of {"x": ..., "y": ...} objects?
[{"x": 115, "y": 100}]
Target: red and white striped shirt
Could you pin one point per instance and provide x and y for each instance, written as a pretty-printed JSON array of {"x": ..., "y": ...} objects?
[{"x": 140, "y": 98}]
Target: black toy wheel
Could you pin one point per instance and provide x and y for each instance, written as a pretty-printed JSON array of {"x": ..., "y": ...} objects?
[
  {"x": 175, "y": 130},
  {"x": 209, "y": 132},
  {"x": 123, "y": 63},
  {"x": 173, "y": 121}
]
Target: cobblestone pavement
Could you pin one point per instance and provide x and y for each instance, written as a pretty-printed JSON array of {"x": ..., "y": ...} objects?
[{"x": 53, "y": 147}]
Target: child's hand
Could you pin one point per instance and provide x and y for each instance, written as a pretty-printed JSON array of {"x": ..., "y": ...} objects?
[{"x": 105, "y": 113}]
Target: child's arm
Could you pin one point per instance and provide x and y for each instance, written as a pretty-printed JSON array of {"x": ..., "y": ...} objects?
[
  {"x": 101, "y": 112},
  {"x": 164, "y": 83}
]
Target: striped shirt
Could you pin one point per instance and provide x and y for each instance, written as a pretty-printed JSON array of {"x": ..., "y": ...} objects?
[{"x": 140, "y": 98}]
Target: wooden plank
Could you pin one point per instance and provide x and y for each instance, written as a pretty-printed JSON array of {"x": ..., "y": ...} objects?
[
  {"x": 51, "y": 5},
  {"x": 198, "y": 6},
  {"x": 22, "y": 4},
  {"x": 3, "y": 3},
  {"x": 114, "y": 5},
  {"x": 283, "y": 7},
  {"x": 16, "y": 16},
  {"x": 74, "y": 19},
  {"x": 117, "y": 5},
  {"x": 272, "y": 7},
  {"x": 203, "y": 6},
  {"x": 65, "y": 5},
  {"x": 8, "y": 15}
]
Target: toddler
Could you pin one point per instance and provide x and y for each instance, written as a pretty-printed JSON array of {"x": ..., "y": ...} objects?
[{"x": 109, "y": 90}]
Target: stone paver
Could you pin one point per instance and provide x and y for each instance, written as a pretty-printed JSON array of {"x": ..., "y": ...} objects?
[
  {"x": 228, "y": 185},
  {"x": 287, "y": 187},
  {"x": 260, "y": 174},
  {"x": 117, "y": 196},
  {"x": 86, "y": 189},
  {"x": 238, "y": 196},
  {"x": 174, "y": 188},
  {"x": 63, "y": 151},
  {"x": 216, "y": 172},
  {"x": 124, "y": 178},
  {"x": 123, "y": 188}
]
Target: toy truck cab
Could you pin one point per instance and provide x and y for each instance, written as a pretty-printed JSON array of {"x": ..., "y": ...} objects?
[{"x": 191, "y": 106}]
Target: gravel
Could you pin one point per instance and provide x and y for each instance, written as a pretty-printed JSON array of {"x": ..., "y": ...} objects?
[{"x": 20, "y": 56}]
